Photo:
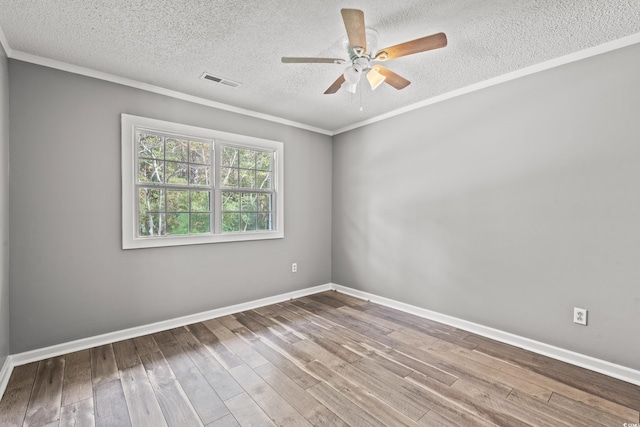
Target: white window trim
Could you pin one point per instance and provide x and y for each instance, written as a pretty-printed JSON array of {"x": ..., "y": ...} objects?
[{"x": 130, "y": 239}]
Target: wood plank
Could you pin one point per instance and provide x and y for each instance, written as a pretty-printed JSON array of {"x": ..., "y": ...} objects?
[
  {"x": 538, "y": 380},
  {"x": 77, "y": 378},
  {"x": 407, "y": 389},
  {"x": 319, "y": 353},
  {"x": 395, "y": 327},
  {"x": 342, "y": 318},
  {"x": 500, "y": 405},
  {"x": 275, "y": 341},
  {"x": 325, "y": 299},
  {"x": 346, "y": 336},
  {"x": 620, "y": 392},
  {"x": 432, "y": 391},
  {"x": 343, "y": 348},
  {"x": 433, "y": 367},
  {"x": 46, "y": 396},
  {"x": 22, "y": 376},
  {"x": 272, "y": 326},
  {"x": 13, "y": 406},
  {"x": 276, "y": 408},
  {"x": 144, "y": 409},
  {"x": 125, "y": 354},
  {"x": 350, "y": 413},
  {"x": 420, "y": 324},
  {"x": 384, "y": 413},
  {"x": 226, "y": 357},
  {"x": 563, "y": 417},
  {"x": 236, "y": 344},
  {"x": 247, "y": 412},
  {"x": 303, "y": 402},
  {"x": 449, "y": 365},
  {"x": 221, "y": 381},
  {"x": 409, "y": 401},
  {"x": 78, "y": 414},
  {"x": 294, "y": 312},
  {"x": 172, "y": 399},
  {"x": 432, "y": 418},
  {"x": 229, "y": 322},
  {"x": 590, "y": 412},
  {"x": 145, "y": 345},
  {"x": 226, "y": 421},
  {"x": 110, "y": 405},
  {"x": 489, "y": 377},
  {"x": 285, "y": 365},
  {"x": 419, "y": 360},
  {"x": 346, "y": 299},
  {"x": 463, "y": 412},
  {"x": 399, "y": 330},
  {"x": 295, "y": 358},
  {"x": 204, "y": 399},
  {"x": 163, "y": 337},
  {"x": 267, "y": 310},
  {"x": 411, "y": 321},
  {"x": 411, "y": 338},
  {"x": 103, "y": 365},
  {"x": 391, "y": 365}
]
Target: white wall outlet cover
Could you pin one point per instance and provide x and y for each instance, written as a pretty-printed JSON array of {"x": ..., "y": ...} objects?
[{"x": 580, "y": 316}]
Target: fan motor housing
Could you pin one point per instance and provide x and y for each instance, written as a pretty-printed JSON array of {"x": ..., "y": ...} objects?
[{"x": 372, "y": 45}]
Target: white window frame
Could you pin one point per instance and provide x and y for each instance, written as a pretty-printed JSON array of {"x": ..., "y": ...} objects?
[{"x": 130, "y": 238}]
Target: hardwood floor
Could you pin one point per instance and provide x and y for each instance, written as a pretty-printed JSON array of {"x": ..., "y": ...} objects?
[{"x": 324, "y": 360}]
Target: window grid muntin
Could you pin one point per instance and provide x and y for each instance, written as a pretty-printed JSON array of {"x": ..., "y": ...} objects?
[
  {"x": 271, "y": 212},
  {"x": 165, "y": 213},
  {"x": 164, "y": 209},
  {"x": 130, "y": 170},
  {"x": 165, "y": 136},
  {"x": 237, "y": 166}
]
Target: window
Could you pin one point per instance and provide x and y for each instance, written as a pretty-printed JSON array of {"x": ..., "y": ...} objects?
[{"x": 186, "y": 185}]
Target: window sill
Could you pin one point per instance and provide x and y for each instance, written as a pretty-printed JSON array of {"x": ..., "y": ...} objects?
[{"x": 158, "y": 242}]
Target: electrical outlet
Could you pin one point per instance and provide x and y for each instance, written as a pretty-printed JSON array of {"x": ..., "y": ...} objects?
[
  {"x": 294, "y": 267},
  {"x": 580, "y": 316}
]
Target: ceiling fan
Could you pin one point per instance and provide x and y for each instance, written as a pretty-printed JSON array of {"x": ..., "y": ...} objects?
[{"x": 364, "y": 59}]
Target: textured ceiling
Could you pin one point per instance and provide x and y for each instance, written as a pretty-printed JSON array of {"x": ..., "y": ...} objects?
[{"x": 170, "y": 43}]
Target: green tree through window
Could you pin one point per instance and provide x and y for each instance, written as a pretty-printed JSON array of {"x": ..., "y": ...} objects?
[
  {"x": 174, "y": 184},
  {"x": 184, "y": 185}
]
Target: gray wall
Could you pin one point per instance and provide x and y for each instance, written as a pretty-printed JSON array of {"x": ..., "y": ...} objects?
[
  {"x": 506, "y": 207},
  {"x": 69, "y": 276},
  {"x": 4, "y": 207}
]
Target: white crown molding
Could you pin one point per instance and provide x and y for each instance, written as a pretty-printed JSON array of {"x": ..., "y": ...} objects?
[
  {"x": 602, "y": 366},
  {"x": 5, "y": 44},
  {"x": 572, "y": 57},
  {"x": 75, "y": 69}
]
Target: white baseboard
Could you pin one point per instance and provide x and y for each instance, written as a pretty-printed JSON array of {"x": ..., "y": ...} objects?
[
  {"x": 602, "y": 366},
  {"x": 85, "y": 343},
  {"x": 5, "y": 373},
  {"x": 607, "y": 368}
]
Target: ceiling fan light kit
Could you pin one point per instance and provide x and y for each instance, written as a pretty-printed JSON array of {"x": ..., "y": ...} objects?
[
  {"x": 361, "y": 47},
  {"x": 375, "y": 78}
]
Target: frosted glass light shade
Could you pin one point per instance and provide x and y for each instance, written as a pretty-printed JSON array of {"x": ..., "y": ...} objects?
[
  {"x": 375, "y": 78},
  {"x": 350, "y": 87},
  {"x": 352, "y": 75}
]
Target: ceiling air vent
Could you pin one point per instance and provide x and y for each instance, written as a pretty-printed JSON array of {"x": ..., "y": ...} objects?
[{"x": 221, "y": 80}]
